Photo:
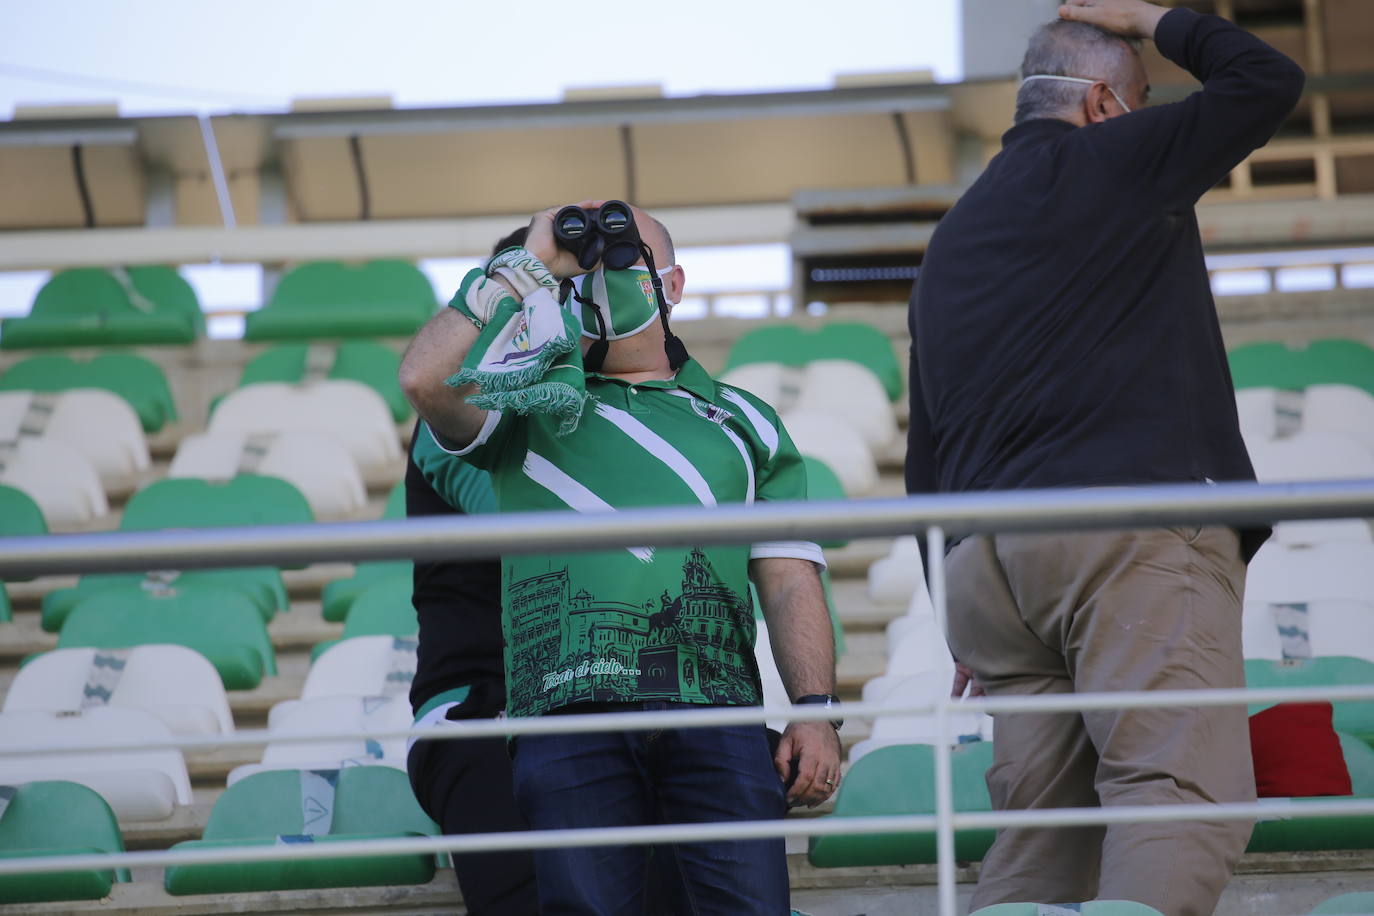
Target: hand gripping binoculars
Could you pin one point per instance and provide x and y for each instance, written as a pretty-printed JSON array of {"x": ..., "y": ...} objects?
[{"x": 607, "y": 234}]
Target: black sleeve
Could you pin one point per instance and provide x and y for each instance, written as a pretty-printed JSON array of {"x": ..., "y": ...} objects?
[
  {"x": 920, "y": 442},
  {"x": 1177, "y": 152}
]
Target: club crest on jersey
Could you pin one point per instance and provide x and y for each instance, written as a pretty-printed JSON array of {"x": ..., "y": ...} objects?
[{"x": 708, "y": 411}]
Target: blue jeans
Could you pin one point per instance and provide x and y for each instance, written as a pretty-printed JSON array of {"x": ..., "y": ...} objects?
[{"x": 612, "y": 779}]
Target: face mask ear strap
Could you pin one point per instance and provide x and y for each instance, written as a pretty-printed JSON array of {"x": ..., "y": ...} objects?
[
  {"x": 595, "y": 356},
  {"x": 672, "y": 346}
]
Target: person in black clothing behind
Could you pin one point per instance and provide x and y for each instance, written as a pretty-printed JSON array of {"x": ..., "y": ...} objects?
[
  {"x": 1064, "y": 335},
  {"x": 465, "y": 784}
]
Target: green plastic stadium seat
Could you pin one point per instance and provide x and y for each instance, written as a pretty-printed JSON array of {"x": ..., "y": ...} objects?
[
  {"x": 382, "y": 608},
  {"x": 329, "y": 299},
  {"x": 262, "y": 585},
  {"x": 782, "y": 343},
  {"x": 1091, "y": 908},
  {"x": 92, "y": 307},
  {"x": 1301, "y": 834},
  {"x": 6, "y": 614},
  {"x": 19, "y": 514},
  {"x": 792, "y": 346},
  {"x": 1322, "y": 362},
  {"x": 1357, "y": 904},
  {"x": 189, "y": 502},
  {"x": 901, "y": 780},
  {"x": 137, "y": 380},
  {"x": 822, "y": 483},
  {"x": 1350, "y": 717},
  {"x": 373, "y": 364},
  {"x": 863, "y": 344},
  {"x": 57, "y": 818},
  {"x": 219, "y": 623},
  {"x": 288, "y": 806},
  {"x": 338, "y": 596}
]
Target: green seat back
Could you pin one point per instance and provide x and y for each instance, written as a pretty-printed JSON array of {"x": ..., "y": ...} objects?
[
  {"x": 262, "y": 585},
  {"x": 6, "y": 612},
  {"x": 338, "y": 596},
  {"x": 1303, "y": 834},
  {"x": 901, "y": 780},
  {"x": 283, "y": 363},
  {"x": 780, "y": 343},
  {"x": 369, "y": 802},
  {"x": 1333, "y": 361},
  {"x": 58, "y": 818},
  {"x": 221, "y": 624},
  {"x": 1351, "y": 717},
  {"x": 822, "y": 483},
  {"x": 383, "y": 608},
  {"x": 1357, "y": 904},
  {"x": 189, "y": 502},
  {"x": 92, "y": 307},
  {"x": 19, "y": 514},
  {"x": 331, "y": 299},
  {"x": 863, "y": 344},
  {"x": 137, "y": 380}
]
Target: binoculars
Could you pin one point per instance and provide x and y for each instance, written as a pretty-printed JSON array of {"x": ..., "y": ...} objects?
[{"x": 607, "y": 234}]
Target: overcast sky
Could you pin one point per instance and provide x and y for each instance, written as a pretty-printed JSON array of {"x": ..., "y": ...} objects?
[{"x": 257, "y": 54}]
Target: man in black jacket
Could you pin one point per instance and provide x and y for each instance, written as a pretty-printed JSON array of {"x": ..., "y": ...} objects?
[{"x": 1064, "y": 335}]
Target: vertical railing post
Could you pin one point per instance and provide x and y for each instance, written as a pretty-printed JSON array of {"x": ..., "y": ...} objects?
[{"x": 944, "y": 782}]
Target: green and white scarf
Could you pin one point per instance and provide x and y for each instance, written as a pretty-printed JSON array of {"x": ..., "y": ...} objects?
[{"x": 526, "y": 358}]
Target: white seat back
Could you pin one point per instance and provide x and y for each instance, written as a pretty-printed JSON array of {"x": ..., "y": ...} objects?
[
  {"x": 176, "y": 684},
  {"x": 1311, "y": 456},
  {"x": 845, "y": 389},
  {"x": 139, "y": 785},
  {"x": 58, "y": 477},
  {"x": 775, "y": 384},
  {"x": 325, "y": 715},
  {"x": 832, "y": 440}
]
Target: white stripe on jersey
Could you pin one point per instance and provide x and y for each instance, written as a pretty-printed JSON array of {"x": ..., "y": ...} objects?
[
  {"x": 573, "y": 494},
  {"x": 660, "y": 448},
  {"x": 739, "y": 444},
  {"x": 762, "y": 428}
]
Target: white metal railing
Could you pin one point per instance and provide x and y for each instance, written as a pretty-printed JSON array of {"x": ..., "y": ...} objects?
[{"x": 536, "y": 533}]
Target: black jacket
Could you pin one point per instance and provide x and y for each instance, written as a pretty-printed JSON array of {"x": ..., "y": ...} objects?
[
  {"x": 1063, "y": 328},
  {"x": 459, "y": 608}
]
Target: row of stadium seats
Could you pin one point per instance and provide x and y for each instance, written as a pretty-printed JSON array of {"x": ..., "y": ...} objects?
[{"x": 155, "y": 305}]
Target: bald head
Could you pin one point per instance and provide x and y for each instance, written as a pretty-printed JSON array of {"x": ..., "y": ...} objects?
[
  {"x": 656, "y": 236},
  {"x": 1065, "y": 48}
]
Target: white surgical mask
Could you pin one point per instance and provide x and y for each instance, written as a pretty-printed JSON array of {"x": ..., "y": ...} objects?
[{"x": 1078, "y": 79}]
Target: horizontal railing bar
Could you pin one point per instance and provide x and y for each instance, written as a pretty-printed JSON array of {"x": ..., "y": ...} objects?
[
  {"x": 501, "y": 534},
  {"x": 739, "y": 715},
  {"x": 688, "y": 833}
]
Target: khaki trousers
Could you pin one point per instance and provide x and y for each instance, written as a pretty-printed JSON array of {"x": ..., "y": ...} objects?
[{"x": 1154, "y": 609}]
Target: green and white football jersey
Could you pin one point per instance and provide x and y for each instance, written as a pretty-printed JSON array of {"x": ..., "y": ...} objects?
[{"x": 645, "y": 622}]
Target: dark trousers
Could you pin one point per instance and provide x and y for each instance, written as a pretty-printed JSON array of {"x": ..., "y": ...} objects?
[
  {"x": 614, "y": 779},
  {"x": 465, "y": 785}
]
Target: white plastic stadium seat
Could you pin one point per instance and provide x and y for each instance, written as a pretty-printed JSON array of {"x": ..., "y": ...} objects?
[
  {"x": 344, "y": 410},
  {"x": 1344, "y": 410},
  {"x": 776, "y": 385},
  {"x": 838, "y": 444},
  {"x": 919, "y": 616},
  {"x": 320, "y": 467},
  {"x": 336, "y": 714},
  {"x": 58, "y": 477},
  {"x": 1311, "y": 456},
  {"x": 360, "y": 666},
  {"x": 144, "y": 785},
  {"x": 98, "y": 423},
  {"x": 174, "y": 683},
  {"x": 896, "y": 577},
  {"x": 919, "y": 728},
  {"x": 1310, "y": 602},
  {"x": 1310, "y": 534},
  {"x": 846, "y": 389}
]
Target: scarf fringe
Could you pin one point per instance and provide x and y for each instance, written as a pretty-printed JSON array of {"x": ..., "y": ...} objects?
[{"x": 557, "y": 399}]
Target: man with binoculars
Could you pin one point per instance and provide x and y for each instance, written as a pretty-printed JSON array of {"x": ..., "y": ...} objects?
[{"x": 628, "y": 419}]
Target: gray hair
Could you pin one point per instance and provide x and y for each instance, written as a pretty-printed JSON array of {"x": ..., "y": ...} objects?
[{"x": 1064, "y": 48}]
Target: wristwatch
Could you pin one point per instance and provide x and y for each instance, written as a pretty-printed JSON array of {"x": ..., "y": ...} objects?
[{"x": 828, "y": 700}]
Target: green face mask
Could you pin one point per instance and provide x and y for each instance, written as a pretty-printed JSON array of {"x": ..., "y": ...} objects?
[{"x": 625, "y": 299}]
